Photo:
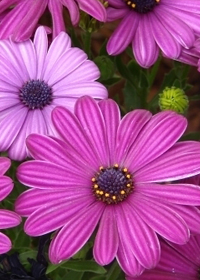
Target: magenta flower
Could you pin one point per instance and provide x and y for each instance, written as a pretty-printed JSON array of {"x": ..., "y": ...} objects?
[
  {"x": 152, "y": 25},
  {"x": 191, "y": 56},
  {"x": 22, "y": 20},
  {"x": 33, "y": 80},
  {"x": 8, "y": 218},
  {"x": 176, "y": 263},
  {"x": 110, "y": 172}
]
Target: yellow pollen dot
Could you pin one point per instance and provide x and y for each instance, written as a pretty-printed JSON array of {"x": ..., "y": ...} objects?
[
  {"x": 107, "y": 195},
  {"x": 97, "y": 192},
  {"x": 96, "y": 186},
  {"x": 114, "y": 197},
  {"x": 128, "y": 176},
  {"x": 93, "y": 179},
  {"x": 129, "y": 2},
  {"x": 128, "y": 185},
  {"x": 101, "y": 192},
  {"x": 157, "y": 1},
  {"x": 125, "y": 170},
  {"x": 116, "y": 165},
  {"x": 133, "y": 5},
  {"x": 122, "y": 192},
  {"x": 101, "y": 168}
]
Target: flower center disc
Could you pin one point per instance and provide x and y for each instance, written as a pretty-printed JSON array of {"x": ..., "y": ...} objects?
[
  {"x": 142, "y": 6},
  {"x": 112, "y": 185},
  {"x": 35, "y": 94}
]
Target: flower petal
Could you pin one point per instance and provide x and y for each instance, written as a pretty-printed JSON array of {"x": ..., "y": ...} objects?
[
  {"x": 160, "y": 134},
  {"x": 111, "y": 115},
  {"x": 181, "y": 161},
  {"x": 107, "y": 240},
  {"x": 161, "y": 218},
  {"x": 122, "y": 36},
  {"x": 183, "y": 194},
  {"x": 6, "y": 186},
  {"x": 139, "y": 237},
  {"x": 92, "y": 121},
  {"x": 55, "y": 215},
  {"x": 130, "y": 126},
  {"x": 5, "y": 163},
  {"x": 71, "y": 238},
  {"x": 5, "y": 243},
  {"x": 8, "y": 219}
]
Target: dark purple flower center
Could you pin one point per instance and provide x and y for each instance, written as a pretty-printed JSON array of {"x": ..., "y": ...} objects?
[
  {"x": 35, "y": 94},
  {"x": 112, "y": 184},
  {"x": 142, "y": 6}
]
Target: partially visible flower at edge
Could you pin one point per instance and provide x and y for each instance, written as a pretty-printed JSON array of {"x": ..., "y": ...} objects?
[
  {"x": 21, "y": 21},
  {"x": 191, "y": 56},
  {"x": 34, "y": 80},
  {"x": 8, "y": 218},
  {"x": 110, "y": 172},
  {"x": 163, "y": 25},
  {"x": 176, "y": 262}
]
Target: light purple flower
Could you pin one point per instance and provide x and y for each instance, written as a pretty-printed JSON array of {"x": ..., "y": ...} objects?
[
  {"x": 176, "y": 263},
  {"x": 8, "y": 218},
  {"x": 33, "y": 80},
  {"x": 22, "y": 20},
  {"x": 151, "y": 25},
  {"x": 110, "y": 172}
]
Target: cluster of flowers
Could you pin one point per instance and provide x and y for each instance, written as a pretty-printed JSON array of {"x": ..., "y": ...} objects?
[{"x": 89, "y": 168}]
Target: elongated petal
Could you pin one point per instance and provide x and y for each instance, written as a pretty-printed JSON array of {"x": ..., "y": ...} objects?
[
  {"x": 191, "y": 216},
  {"x": 122, "y": 35},
  {"x": 111, "y": 116},
  {"x": 40, "y": 174},
  {"x": 176, "y": 27},
  {"x": 31, "y": 200},
  {"x": 41, "y": 46},
  {"x": 68, "y": 241},
  {"x": 129, "y": 128},
  {"x": 64, "y": 120},
  {"x": 144, "y": 47},
  {"x": 10, "y": 126},
  {"x": 163, "y": 37},
  {"x": 5, "y": 243},
  {"x": 4, "y": 164},
  {"x": 93, "y": 121},
  {"x": 140, "y": 238},
  {"x": 6, "y": 186},
  {"x": 8, "y": 219},
  {"x": 107, "y": 239},
  {"x": 161, "y": 218},
  {"x": 157, "y": 137},
  {"x": 56, "y": 10},
  {"x": 73, "y": 11},
  {"x": 54, "y": 215},
  {"x": 93, "y": 8},
  {"x": 185, "y": 194},
  {"x": 127, "y": 260},
  {"x": 181, "y": 161}
]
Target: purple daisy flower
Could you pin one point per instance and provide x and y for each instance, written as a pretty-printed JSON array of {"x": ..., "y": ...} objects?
[
  {"x": 21, "y": 21},
  {"x": 33, "y": 80},
  {"x": 8, "y": 218},
  {"x": 150, "y": 25},
  {"x": 109, "y": 173},
  {"x": 176, "y": 262}
]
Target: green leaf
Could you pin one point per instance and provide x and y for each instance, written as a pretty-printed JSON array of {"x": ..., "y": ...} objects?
[{"x": 80, "y": 265}]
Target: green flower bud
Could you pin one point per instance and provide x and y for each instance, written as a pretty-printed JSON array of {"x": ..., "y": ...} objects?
[{"x": 173, "y": 99}]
